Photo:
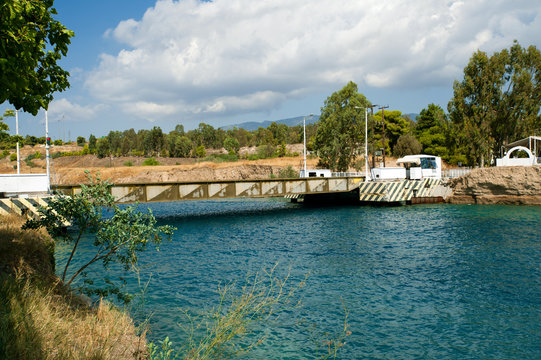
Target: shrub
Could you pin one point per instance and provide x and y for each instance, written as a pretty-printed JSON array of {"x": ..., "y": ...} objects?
[
  {"x": 288, "y": 172},
  {"x": 57, "y": 142},
  {"x": 219, "y": 158},
  {"x": 128, "y": 163},
  {"x": 4, "y": 154},
  {"x": 200, "y": 151},
  {"x": 150, "y": 162},
  {"x": 13, "y": 157}
]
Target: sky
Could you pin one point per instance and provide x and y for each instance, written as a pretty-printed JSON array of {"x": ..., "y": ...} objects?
[{"x": 145, "y": 63}]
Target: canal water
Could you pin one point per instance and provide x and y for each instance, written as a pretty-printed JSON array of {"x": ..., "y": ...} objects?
[{"x": 412, "y": 282}]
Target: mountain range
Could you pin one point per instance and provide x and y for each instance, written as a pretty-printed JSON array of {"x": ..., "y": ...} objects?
[{"x": 254, "y": 125}]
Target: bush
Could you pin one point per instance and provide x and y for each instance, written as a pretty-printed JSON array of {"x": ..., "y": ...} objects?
[
  {"x": 58, "y": 142},
  {"x": 200, "y": 151},
  {"x": 219, "y": 158},
  {"x": 128, "y": 163},
  {"x": 150, "y": 162},
  {"x": 36, "y": 155},
  {"x": 13, "y": 157},
  {"x": 288, "y": 172},
  {"x": 4, "y": 154}
]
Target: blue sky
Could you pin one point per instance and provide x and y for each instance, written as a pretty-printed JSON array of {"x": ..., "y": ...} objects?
[{"x": 144, "y": 63}]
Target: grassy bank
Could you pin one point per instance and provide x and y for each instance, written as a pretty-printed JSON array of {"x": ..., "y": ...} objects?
[{"x": 40, "y": 319}]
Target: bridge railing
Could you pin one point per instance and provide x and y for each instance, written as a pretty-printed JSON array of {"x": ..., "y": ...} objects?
[{"x": 454, "y": 173}]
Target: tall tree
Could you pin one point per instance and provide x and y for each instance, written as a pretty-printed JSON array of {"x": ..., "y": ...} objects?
[
  {"x": 31, "y": 43},
  {"x": 498, "y": 100},
  {"x": 340, "y": 130},
  {"x": 395, "y": 126},
  {"x": 432, "y": 131}
]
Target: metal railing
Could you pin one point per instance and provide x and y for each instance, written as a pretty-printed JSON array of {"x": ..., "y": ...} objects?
[
  {"x": 347, "y": 174},
  {"x": 454, "y": 173}
]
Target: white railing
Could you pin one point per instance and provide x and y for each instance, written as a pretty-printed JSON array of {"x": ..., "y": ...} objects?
[
  {"x": 454, "y": 173},
  {"x": 347, "y": 174}
]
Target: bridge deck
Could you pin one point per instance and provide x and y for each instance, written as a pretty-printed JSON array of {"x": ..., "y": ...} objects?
[{"x": 177, "y": 191}]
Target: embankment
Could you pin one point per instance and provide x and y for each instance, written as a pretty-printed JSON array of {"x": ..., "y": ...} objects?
[
  {"x": 518, "y": 185},
  {"x": 41, "y": 319}
]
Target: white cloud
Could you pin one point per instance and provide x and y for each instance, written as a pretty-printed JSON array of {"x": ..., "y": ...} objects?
[
  {"x": 236, "y": 56},
  {"x": 73, "y": 112}
]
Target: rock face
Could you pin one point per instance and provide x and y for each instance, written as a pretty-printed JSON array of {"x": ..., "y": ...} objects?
[{"x": 518, "y": 185}]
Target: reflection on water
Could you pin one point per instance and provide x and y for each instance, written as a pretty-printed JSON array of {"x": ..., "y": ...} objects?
[{"x": 435, "y": 281}]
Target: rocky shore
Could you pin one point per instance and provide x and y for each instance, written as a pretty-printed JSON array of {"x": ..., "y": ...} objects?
[{"x": 518, "y": 185}]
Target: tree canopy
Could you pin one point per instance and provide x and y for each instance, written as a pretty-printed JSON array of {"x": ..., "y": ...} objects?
[
  {"x": 497, "y": 102},
  {"x": 31, "y": 44},
  {"x": 432, "y": 131},
  {"x": 340, "y": 130}
]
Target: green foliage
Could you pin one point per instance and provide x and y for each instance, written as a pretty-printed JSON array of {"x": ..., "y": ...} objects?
[
  {"x": 56, "y": 154},
  {"x": 4, "y": 154},
  {"x": 13, "y": 157},
  {"x": 150, "y": 162},
  {"x": 200, "y": 151},
  {"x": 57, "y": 142},
  {"x": 219, "y": 158},
  {"x": 128, "y": 163},
  {"x": 31, "y": 44},
  {"x": 232, "y": 145},
  {"x": 102, "y": 148},
  {"x": 395, "y": 126},
  {"x": 179, "y": 145},
  {"x": 92, "y": 142},
  {"x": 81, "y": 141},
  {"x": 288, "y": 172},
  {"x": 497, "y": 102},
  {"x": 266, "y": 151},
  {"x": 120, "y": 234},
  {"x": 432, "y": 131},
  {"x": 36, "y": 155},
  {"x": 407, "y": 145},
  {"x": 340, "y": 130}
]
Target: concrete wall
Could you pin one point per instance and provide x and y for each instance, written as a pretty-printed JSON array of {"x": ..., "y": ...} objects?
[{"x": 23, "y": 183}]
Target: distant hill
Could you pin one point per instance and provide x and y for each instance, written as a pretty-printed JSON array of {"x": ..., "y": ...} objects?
[
  {"x": 412, "y": 116},
  {"x": 253, "y": 125}
]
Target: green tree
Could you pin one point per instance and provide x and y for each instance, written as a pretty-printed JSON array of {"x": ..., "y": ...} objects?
[
  {"x": 232, "y": 145},
  {"x": 31, "y": 44},
  {"x": 102, "y": 148},
  {"x": 395, "y": 126},
  {"x": 200, "y": 151},
  {"x": 340, "y": 130},
  {"x": 81, "y": 141},
  {"x": 118, "y": 237},
  {"x": 497, "y": 102},
  {"x": 3, "y": 126},
  {"x": 407, "y": 145},
  {"x": 92, "y": 143},
  {"x": 154, "y": 141},
  {"x": 432, "y": 131}
]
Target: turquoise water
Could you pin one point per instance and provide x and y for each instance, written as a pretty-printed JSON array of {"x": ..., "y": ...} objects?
[{"x": 427, "y": 281}]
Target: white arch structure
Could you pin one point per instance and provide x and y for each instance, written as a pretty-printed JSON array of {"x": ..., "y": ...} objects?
[{"x": 507, "y": 160}]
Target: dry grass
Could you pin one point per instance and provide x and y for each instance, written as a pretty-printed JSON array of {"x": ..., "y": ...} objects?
[{"x": 40, "y": 319}]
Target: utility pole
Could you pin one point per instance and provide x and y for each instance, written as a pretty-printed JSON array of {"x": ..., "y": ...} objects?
[
  {"x": 304, "y": 138},
  {"x": 372, "y": 113},
  {"x": 382, "y": 108}
]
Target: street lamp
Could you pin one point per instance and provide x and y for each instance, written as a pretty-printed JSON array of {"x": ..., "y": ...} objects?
[
  {"x": 17, "y": 134},
  {"x": 304, "y": 138},
  {"x": 365, "y": 140}
]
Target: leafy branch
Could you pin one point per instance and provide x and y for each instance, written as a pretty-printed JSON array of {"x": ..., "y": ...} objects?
[{"x": 120, "y": 234}]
